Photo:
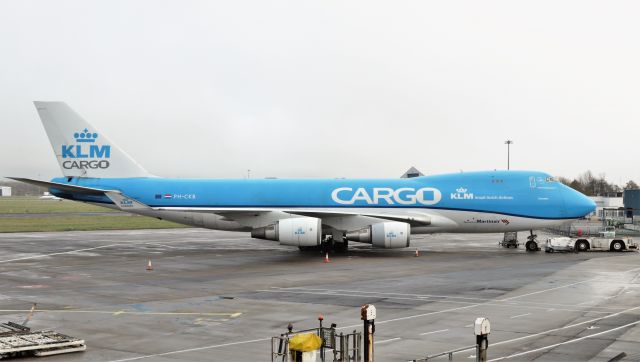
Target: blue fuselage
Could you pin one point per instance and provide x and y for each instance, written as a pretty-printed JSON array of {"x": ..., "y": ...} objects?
[{"x": 527, "y": 194}]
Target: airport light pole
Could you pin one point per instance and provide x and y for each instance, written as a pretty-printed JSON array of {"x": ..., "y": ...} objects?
[{"x": 508, "y": 143}]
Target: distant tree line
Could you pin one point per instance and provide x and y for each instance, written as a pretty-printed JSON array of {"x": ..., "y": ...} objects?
[{"x": 591, "y": 185}]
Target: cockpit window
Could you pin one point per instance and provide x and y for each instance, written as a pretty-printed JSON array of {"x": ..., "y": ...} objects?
[{"x": 550, "y": 179}]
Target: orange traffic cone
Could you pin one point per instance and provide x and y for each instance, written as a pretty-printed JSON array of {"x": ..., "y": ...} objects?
[
  {"x": 417, "y": 252},
  {"x": 149, "y": 266},
  {"x": 326, "y": 258}
]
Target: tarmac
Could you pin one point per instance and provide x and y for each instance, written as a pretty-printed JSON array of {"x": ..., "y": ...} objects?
[{"x": 220, "y": 296}]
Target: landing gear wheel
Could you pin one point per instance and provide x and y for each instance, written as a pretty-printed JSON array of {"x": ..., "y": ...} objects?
[
  {"x": 327, "y": 246},
  {"x": 582, "y": 245},
  {"x": 617, "y": 245},
  {"x": 341, "y": 247},
  {"x": 531, "y": 246},
  {"x": 310, "y": 248}
]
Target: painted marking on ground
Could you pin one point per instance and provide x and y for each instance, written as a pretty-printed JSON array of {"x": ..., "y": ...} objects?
[
  {"x": 39, "y": 256},
  {"x": 164, "y": 246},
  {"x": 400, "y": 294},
  {"x": 469, "y": 305},
  {"x": 446, "y": 298},
  {"x": 387, "y": 340},
  {"x": 565, "y": 342},
  {"x": 520, "y": 315},
  {"x": 561, "y": 328},
  {"x": 191, "y": 350},
  {"x": 411, "y": 316},
  {"x": 547, "y": 290},
  {"x": 440, "y": 331},
  {"x": 562, "y": 286},
  {"x": 119, "y": 312},
  {"x": 130, "y": 243}
]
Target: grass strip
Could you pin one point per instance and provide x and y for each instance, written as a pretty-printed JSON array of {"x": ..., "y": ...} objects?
[{"x": 85, "y": 223}]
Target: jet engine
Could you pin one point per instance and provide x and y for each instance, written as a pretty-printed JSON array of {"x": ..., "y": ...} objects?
[
  {"x": 298, "y": 231},
  {"x": 388, "y": 235}
]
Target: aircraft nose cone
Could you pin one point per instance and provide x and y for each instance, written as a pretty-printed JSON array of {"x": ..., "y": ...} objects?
[{"x": 578, "y": 204}]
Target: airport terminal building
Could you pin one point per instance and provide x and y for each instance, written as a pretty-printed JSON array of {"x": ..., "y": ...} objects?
[{"x": 631, "y": 199}]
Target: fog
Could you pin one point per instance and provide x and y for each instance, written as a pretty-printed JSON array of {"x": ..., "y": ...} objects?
[{"x": 328, "y": 88}]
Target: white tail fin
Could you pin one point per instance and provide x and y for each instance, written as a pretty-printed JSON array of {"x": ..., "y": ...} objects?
[{"x": 81, "y": 150}]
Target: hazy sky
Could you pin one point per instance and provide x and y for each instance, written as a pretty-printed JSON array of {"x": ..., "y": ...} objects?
[{"x": 328, "y": 88}]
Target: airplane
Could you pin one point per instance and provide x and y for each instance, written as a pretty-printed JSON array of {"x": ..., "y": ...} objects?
[
  {"x": 307, "y": 213},
  {"x": 48, "y": 196}
]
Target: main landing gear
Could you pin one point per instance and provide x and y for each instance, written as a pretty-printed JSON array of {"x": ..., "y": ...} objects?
[
  {"x": 532, "y": 242},
  {"x": 329, "y": 245}
]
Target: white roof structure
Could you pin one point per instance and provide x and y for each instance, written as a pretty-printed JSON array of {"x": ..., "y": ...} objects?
[{"x": 412, "y": 172}]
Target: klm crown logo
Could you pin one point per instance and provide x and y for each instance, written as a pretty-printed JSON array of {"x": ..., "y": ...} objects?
[
  {"x": 85, "y": 148},
  {"x": 461, "y": 194},
  {"x": 85, "y": 136}
]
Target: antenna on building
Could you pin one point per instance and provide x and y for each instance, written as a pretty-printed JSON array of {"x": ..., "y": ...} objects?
[{"x": 508, "y": 143}]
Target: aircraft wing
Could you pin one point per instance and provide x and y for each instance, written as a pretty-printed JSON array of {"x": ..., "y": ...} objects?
[{"x": 414, "y": 219}]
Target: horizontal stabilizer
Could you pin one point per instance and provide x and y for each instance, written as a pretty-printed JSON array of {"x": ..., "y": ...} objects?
[
  {"x": 62, "y": 187},
  {"x": 121, "y": 200}
]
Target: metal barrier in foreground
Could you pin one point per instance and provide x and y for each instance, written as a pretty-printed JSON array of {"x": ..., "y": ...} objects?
[
  {"x": 447, "y": 353},
  {"x": 336, "y": 347},
  {"x": 481, "y": 329}
]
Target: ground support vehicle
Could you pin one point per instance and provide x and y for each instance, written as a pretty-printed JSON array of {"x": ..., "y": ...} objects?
[
  {"x": 510, "y": 239},
  {"x": 563, "y": 244},
  {"x": 582, "y": 243}
]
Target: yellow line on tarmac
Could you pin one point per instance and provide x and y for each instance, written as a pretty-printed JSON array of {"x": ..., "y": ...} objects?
[{"x": 119, "y": 312}]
